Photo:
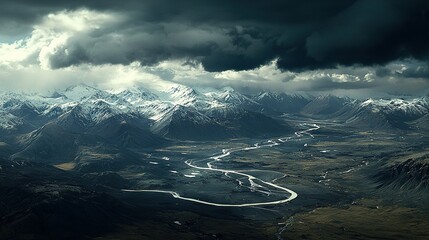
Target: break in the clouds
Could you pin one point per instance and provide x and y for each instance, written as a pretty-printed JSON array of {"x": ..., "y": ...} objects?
[{"x": 328, "y": 46}]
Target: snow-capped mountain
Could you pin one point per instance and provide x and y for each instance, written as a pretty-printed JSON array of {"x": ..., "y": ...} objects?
[
  {"x": 9, "y": 121},
  {"x": 282, "y": 102},
  {"x": 82, "y": 123},
  {"x": 182, "y": 95},
  {"x": 231, "y": 96},
  {"x": 182, "y": 122},
  {"x": 80, "y": 92},
  {"x": 371, "y": 113},
  {"x": 174, "y": 111},
  {"x": 324, "y": 105},
  {"x": 177, "y": 110},
  {"x": 136, "y": 95},
  {"x": 411, "y": 108}
]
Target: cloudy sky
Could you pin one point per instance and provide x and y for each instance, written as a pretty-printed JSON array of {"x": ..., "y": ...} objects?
[{"x": 349, "y": 47}]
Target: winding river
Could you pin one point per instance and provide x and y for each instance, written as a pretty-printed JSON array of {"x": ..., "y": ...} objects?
[{"x": 211, "y": 166}]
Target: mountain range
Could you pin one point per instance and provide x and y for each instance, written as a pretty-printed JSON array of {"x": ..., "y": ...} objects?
[{"x": 57, "y": 127}]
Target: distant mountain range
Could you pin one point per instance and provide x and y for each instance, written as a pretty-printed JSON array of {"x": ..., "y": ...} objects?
[
  {"x": 170, "y": 113},
  {"x": 57, "y": 126}
]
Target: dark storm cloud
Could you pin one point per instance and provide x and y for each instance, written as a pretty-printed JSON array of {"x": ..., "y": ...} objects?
[
  {"x": 383, "y": 72},
  {"x": 419, "y": 70},
  {"x": 239, "y": 35},
  {"x": 373, "y": 32}
]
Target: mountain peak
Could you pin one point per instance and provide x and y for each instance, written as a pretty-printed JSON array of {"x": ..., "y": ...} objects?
[{"x": 79, "y": 92}]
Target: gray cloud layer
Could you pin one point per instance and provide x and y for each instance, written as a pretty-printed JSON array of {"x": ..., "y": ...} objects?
[{"x": 239, "y": 35}]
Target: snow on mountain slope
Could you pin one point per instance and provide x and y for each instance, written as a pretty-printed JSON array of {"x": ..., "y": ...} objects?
[
  {"x": 99, "y": 110},
  {"x": 411, "y": 107},
  {"x": 137, "y": 95},
  {"x": 230, "y": 96},
  {"x": 189, "y": 97},
  {"x": 79, "y": 92},
  {"x": 355, "y": 115},
  {"x": 35, "y": 104},
  {"x": 81, "y": 106},
  {"x": 182, "y": 95},
  {"x": 136, "y": 99},
  {"x": 180, "y": 113},
  {"x": 384, "y": 114},
  {"x": 282, "y": 102},
  {"x": 74, "y": 120},
  {"x": 187, "y": 123},
  {"x": 9, "y": 121},
  {"x": 324, "y": 105}
]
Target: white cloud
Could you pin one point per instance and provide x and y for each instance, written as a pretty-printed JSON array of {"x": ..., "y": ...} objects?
[
  {"x": 51, "y": 36},
  {"x": 27, "y": 63}
]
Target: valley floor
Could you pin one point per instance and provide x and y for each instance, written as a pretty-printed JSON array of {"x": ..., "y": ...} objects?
[
  {"x": 349, "y": 184},
  {"x": 334, "y": 172}
]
